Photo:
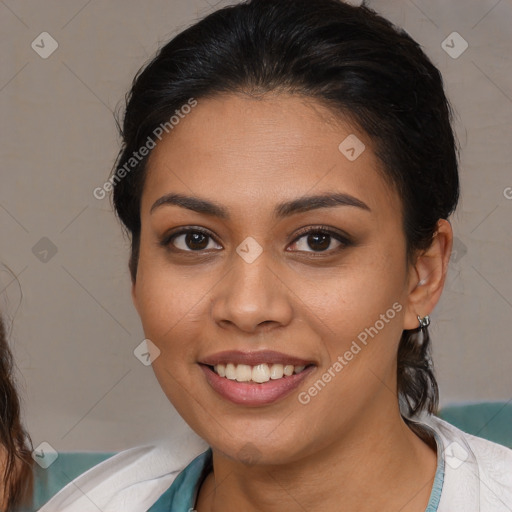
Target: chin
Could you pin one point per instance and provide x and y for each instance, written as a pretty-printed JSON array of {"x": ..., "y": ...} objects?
[{"x": 254, "y": 448}]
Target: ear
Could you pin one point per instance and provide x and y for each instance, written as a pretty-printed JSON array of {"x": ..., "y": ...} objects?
[{"x": 428, "y": 274}]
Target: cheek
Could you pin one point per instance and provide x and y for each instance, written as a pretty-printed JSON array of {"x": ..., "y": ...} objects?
[
  {"x": 171, "y": 304},
  {"x": 353, "y": 296},
  {"x": 361, "y": 311},
  {"x": 173, "y": 310},
  {"x": 171, "y": 318}
]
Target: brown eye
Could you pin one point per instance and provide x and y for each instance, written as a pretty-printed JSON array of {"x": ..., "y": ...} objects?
[
  {"x": 317, "y": 242},
  {"x": 320, "y": 240},
  {"x": 196, "y": 241},
  {"x": 191, "y": 240}
]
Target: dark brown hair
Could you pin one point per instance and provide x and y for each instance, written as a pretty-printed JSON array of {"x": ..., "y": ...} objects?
[
  {"x": 350, "y": 59},
  {"x": 17, "y": 477}
]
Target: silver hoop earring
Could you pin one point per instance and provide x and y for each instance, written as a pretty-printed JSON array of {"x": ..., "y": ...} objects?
[{"x": 424, "y": 322}]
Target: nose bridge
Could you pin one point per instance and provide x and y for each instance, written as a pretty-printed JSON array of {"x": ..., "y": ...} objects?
[{"x": 251, "y": 292}]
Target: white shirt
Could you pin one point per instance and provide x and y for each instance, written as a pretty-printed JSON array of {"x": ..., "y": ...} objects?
[{"x": 477, "y": 475}]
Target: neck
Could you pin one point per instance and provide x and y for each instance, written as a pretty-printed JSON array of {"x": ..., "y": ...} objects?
[{"x": 367, "y": 469}]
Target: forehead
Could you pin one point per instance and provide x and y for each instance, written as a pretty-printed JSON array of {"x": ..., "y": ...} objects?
[{"x": 247, "y": 152}]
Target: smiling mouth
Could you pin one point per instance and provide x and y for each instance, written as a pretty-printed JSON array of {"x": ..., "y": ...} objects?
[{"x": 259, "y": 373}]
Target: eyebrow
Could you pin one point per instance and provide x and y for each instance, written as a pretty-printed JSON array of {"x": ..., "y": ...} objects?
[{"x": 286, "y": 209}]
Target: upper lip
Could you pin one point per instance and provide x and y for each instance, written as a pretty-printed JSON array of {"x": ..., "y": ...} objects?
[{"x": 253, "y": 358}]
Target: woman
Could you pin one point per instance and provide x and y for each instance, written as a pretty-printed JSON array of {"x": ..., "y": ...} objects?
[
  {"x": 15, "y": 459},
  {"x": 287, "y": 175}
]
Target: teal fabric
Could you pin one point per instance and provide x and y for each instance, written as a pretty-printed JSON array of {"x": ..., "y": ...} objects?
[
  {"x": 67, "y": 466},
  {"x": 437, "y": 487},
  {"x": 490, "y": 420},
  {"x": 181, "y": 495}
]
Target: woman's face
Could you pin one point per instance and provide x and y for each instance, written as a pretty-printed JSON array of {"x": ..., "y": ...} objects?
[{"x": 252, "y": 287}]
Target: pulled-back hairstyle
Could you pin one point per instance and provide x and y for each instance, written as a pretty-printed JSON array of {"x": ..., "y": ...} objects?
[
  {"x": 351, "y": 60},
  {"x": 16, "y": 479}
]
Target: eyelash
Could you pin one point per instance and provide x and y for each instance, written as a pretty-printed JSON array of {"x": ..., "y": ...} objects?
[{"x": 344, "y": 240}]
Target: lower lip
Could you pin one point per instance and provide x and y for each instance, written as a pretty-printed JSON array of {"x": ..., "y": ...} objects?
[{"x": 254, "y": 394}]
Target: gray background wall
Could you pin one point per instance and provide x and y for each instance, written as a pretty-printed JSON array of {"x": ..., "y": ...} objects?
[{"x": 72, "y": 324}]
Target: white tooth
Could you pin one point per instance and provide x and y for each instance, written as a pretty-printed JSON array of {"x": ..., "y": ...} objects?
[
  {"x": 230, "y": 371},
  {"x": 221, "y": 370},
  {"x": 276, "y": 371},
  {"x": 288, "y": 370},
  {"x": 261, "y": 373},
  {"x": 298, "y": 369},
  {"x": 243, "y": 373}
]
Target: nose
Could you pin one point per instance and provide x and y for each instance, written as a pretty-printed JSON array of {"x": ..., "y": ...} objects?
[{"x": 252, "y": 297}]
